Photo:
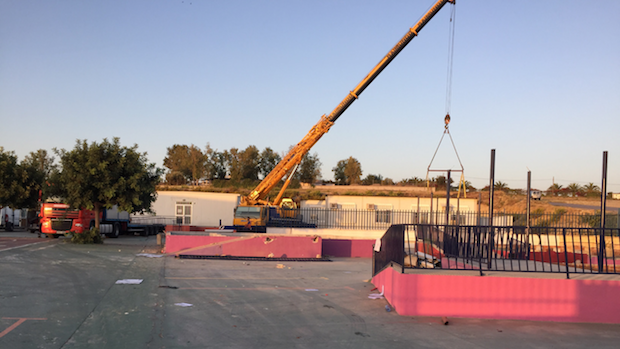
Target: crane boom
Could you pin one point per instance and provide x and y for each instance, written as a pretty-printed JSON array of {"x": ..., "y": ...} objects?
[{"x": 295, "y": 155}]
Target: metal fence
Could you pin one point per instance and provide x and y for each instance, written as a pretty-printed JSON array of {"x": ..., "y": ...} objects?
[
  {"x": 391, "y": 249},
  {"x": 517, "y": 249},
  {"x": 383, "y": 219}
]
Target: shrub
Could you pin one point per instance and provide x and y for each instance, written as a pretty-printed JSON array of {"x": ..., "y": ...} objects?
[{"x": 91, "y": 236}]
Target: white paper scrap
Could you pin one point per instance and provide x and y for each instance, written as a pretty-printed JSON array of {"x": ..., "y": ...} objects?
[
  {"x": 150, "y": 255},
  {"x": 129, "y": 281},
  {"x": 183, "y": 304},
  {"x": 378, "y": 245},
  {"x": 377, "y": 295},
  {"x": 311, "y": 290}
]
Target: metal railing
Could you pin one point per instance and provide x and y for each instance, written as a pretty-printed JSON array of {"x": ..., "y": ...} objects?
[
  {"x": 515, "y": 249},
  {"x": 383, "y": 219}
]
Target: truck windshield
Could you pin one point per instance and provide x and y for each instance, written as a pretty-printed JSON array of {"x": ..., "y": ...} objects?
[{"x": 245, "y": 212}]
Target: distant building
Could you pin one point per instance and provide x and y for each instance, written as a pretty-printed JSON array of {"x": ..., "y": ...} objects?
[
  {"x": 615, "y": 196},
  {"x": 196, "y": 208}
]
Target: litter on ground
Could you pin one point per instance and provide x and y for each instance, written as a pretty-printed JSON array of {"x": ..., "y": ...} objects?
[
  {"x": 149, "y": 255},
  {"x": 183, "y": 304},
  {"x": 129, "y": 281}
]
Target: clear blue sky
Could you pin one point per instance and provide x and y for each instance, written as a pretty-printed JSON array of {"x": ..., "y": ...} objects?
[{"x": 539, "y": 81}]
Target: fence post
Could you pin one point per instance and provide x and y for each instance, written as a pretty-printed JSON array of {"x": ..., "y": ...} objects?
[
  {"x": 447, "y": 202},
  {"x": 565, "y": 253},
  {"x": 491, "y": 194},
  {"x": 601, "y": 254},
  {"x": 527, "y": 215}
]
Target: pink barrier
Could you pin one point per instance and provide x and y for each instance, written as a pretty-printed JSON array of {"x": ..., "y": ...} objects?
[
  {"x": 348, "y": 248},
  {"x": 245, "y": 245},
  {"x": 490, "y": 297}
]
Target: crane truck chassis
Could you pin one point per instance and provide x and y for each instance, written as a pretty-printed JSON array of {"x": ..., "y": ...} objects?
[{"x": 265, "y": 213}]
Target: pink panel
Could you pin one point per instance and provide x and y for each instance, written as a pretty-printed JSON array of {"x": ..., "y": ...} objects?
[
  {"x": 348, "y": 248},
  {"x": 501, "y": 297},
  {"x": 245, "y": 245}
]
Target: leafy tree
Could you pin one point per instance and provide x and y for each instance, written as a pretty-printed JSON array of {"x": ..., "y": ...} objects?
[
  {"x": 309, "y": 169},
  {"x": 249, "y": 159},
  {"x": 197, "y": 163},
  {"x": 11, "y": 179},
  {"x": 574, "y": 189},
  {"x": 501, "y": 186},
  {"x": 371, "y": 179},
  {"x": 348, "y": 171},
  {"x": 554, "y": 189},
  {"x": 101, "y": 175},
  {"x": 339, "y": 175},
  {"x": 469, "y": 186},
  {"x": 41, "y": 170},
  {"x": 232, "y": 158},
  {"x": 43, "y": 161},
  {"x": 268, "y": 160},
  {"x": 412, "y": 181},
  {"x": 177, "y": 159},
  {"x": 592, "y": 190},
  {"x": 353, "y": 171},
  {"x": 387, "y": 181},
  {"x": 216, "y": 163},
  {"x": 175, "y": 178},
  {"x": 188, "y": 160}
]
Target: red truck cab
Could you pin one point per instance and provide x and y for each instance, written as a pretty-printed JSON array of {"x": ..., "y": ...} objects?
[{"x": 57, "y": 219}]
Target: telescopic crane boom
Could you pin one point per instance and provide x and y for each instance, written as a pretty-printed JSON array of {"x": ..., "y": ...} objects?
[{"x": 294, "y": 157}]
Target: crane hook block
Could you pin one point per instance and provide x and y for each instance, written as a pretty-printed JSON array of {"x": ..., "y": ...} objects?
[{"x": 447, "y": 120}]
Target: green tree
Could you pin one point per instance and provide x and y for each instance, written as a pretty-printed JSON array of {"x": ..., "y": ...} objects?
[
  {"x": 101, "y": 175},
  {"x": 221, "y": 164},
  {"x": 339, "y": 176},
  {"x": 371, "y": 179},
  {"x": 469, "y": 186},
  {"x": 592, "y": 190},
  {"x": 554, "y": 189},
  {"x": 309, "y": 170},
  {"x": 268, "y": 160},
  {"x": 501, "y": 186},
  {"x": 11, "y": 180},
  {"x": 188, "y": 160},
  {"x": 353, "y": 171},
  {"x": 574, "y": 189},
  {"x": 234, "y": 165},
  {"x": 177, "y": 159},
  {"x": 249, "y": 160},
  {"x": 175, "y": 178},
  {"x": 41, "y": 170},
  {"x": 387, "y": 181},
  {"x": 348, "y": 171},
  {"x": 415, "y": 181},
  {"x": 197, "y": 163}
]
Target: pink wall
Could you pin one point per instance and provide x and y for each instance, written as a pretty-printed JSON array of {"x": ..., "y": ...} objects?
[
  {"x": 491, "y": 297},
  {"x": 245, "y": 245},
  {"x": 348, "y": 248}
]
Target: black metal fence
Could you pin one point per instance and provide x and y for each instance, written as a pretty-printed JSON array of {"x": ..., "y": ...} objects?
[
  {"x": 391, "y": 249},
  {"x": 383, "y": 219},
  {"x": 517, "y": 249}
]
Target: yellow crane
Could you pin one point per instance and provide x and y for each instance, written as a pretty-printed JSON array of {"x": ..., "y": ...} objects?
[{"x": 255, "y": 211}]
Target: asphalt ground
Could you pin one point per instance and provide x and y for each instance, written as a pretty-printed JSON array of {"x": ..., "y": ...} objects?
[{"x": 54, "y": 294}]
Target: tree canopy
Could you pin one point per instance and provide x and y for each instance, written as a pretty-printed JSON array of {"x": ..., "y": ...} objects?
[
  {"x": 348, "y": 171},
  {"x": 309, "y": 169},
  {"x": 20, "y": 183},
  {"x": 101, "y": 175}
]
